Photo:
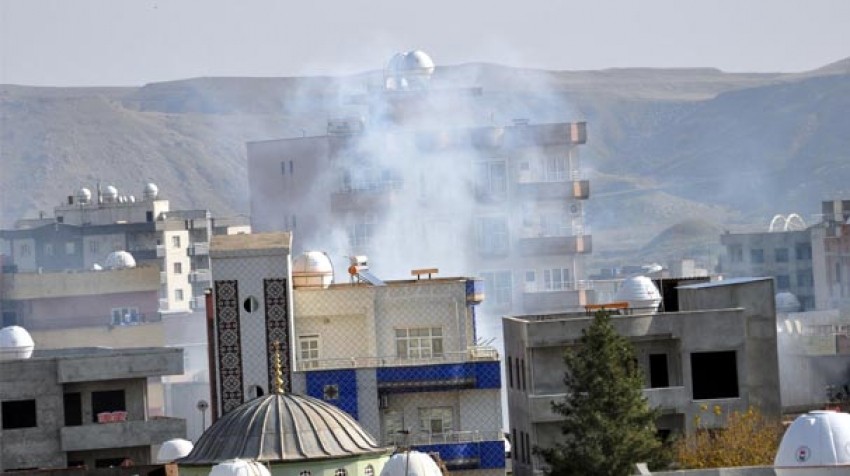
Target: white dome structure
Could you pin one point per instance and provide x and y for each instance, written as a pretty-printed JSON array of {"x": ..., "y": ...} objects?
[
  {"x": 817, "y": 443},
  {"x": 787, "y": 302},
  {"x": 240, "y": 467},
  {"x": 410, "y": 70},
  {"x": 411, "y": 463},
  {"x": 150, "y": 192},
  {"x": 84, "y": 196},
  {"x": 15, "y": 343},
  {"x": 120, "y": 260},
  {"x": 110, "y": 194},
  {"x": 312, "y": 269},
  {"x": 172, "y": 450},
  {"x": 640, "y": 292}
]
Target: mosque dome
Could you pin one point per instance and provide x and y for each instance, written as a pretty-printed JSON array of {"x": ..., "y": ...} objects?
[
  {"x": 640, "y": 292},
  {"x": 15, "y": 343},
  {"x": 120, "y": 260},
  {"x": 411, "y": 463},
  {"x": 818, "y": 439},
  {"x": 172, "y": 450},
  {"x": 110, "y": 194},
  {"x": 240, "y": 467},
  {"x": 787, "y": 302},
  {"x": 283, "y": 428},
  {"x": 312, "y": 269}
]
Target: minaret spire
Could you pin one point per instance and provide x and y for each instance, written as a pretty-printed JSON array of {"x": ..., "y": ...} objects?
[{"x": 278, "y": 373}]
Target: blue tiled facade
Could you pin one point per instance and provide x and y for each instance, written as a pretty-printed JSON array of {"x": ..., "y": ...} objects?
[
  {"x": 478, "y": 375},
  {"x": 343, "y": 381},
  {"x": 470, "y": 455}
]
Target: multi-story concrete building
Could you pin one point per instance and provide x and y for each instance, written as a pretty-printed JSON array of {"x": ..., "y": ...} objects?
[
  {"x": 718, "y": 349},
  {"x": 399, "y": 356},
  {"x": 424, "y": 175},
  {"x": 83, "y": 407},
  {"x": 812, "y": 263}
]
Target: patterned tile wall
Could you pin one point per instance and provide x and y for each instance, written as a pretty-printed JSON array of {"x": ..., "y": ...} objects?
[
  {"x": 228, "y": 344},
  {"x": 337, "y": 387}
]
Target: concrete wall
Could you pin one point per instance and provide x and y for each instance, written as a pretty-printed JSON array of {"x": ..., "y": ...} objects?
[
  {"x": 743, "y": 471},
  {"x": 81, "y": 283}
]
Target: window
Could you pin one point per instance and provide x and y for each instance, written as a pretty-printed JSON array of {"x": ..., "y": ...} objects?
[
  {"x": 362, "y": 233},
  {"x": 308, "y": 351},
  {"x": 178, "y": 268},
  {"x": 175, "y": 242},
  {"x": 107, "y": 401},
  {"x": 73, "y": 406},
  {"x": 419, "y": 343},
  {"x": 492, "y": 179},
  {"x": 341, "y": 472},
  {"x": 70, "y": 247},
  {"x": 736, "y": 253},
  {"x": 435, "y": 420},
  {"x": 714, "y": 374},
  {"x": 781, "y": 255},
  {"x": 48, "y": 249},
  {"x": 178, "y": 295},
  {"x": 658, "y": 372},
  {"x": 521, "y": 376},
  {"x": 25, "y": 249},
  {"x": 492, "y": 235},
  {"x": 804, "y": 278},
  {"x": 499, "y": 287},
  {"x": 510, "y": 373},
  {"x": 556, "y": 169},
  {"x": 250, "y": 304},
  {"x": 556, "y": 279},
  {"x": 18, "y": 414},
  {"x": 803, "y": 251},
  {"x": 306, "y": 472},
  {"x": 93, "y": 246},
  {"x": 555, "y": 224},
  {"x": 837, "y": 272},
  {"x": 369, "y": 470},
  {"x": 122, "y": 316},
  {"x": 757, "y": 255},
  {"x": 783, "y": 282}
]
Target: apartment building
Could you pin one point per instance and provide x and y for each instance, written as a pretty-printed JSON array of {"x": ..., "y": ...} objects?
[
  {"x": 718, "y": 349},
  {"x": 422, "y": 174},
  {"x": 87, "y": 407},
  {"x": 399, "y": 356}
]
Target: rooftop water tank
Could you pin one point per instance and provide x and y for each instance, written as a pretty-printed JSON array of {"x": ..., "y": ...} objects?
[
  {"x": 15, "y": 343},
  {"x": 172, "y": 450},
  {"x": 150, "y": 192},
  {"x": 120, "y": 260},
  {"x": 240, "y": 467},
  {"x": 312, "y": 269},
  {"x": 83, "y": 196},
  {"x": 640, "y": 292},
  {"x": 817, "y": 443},
  {"x": 411, "y": 463}
]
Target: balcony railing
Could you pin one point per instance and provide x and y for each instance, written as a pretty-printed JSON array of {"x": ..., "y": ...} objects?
[
  {"x": 129, "y": 433},
  {"x": 472, "y": 354},
  {"x": 455, "y": 436},
  {"x": 160, "y": 251},
  {"x": 200, "y": 276},
  {"x": 555, "y": 245},
  {"x": 198, "y": 249}
]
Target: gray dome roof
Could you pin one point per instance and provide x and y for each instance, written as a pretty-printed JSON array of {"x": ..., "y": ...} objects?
[{"x": 284, "y": 428}]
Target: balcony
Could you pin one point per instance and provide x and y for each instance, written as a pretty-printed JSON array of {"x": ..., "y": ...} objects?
[
  {"x": 471, "y": 354},
  {"x": 529, "y": 187},
  {"x": 554, "y": 245},
  {"x": 464, "y": 450},
  {"x": 200, "y": 276},
  {"x": 163, "y": 277},
  {"x": 160, "y": 251},
  {"x": 198, "y": 249},
  {"x": 666, "y": 398},
  {"x": 569, "y": 296},
  {"x": 378, "y": 196},
  {"x": 99, "y": 436},
  {"x": 424, "y": 378}
]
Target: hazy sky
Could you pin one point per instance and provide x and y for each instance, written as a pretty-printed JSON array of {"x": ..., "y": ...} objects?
[{"x": 132, "y": 42}]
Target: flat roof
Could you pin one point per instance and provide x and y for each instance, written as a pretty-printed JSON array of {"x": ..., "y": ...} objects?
[
  {"x": 251, "y": 241},
  {"x": 724, "y": 282}
]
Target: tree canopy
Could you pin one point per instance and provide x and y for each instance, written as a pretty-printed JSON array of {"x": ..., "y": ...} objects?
[{"x": 608, "y": 425}]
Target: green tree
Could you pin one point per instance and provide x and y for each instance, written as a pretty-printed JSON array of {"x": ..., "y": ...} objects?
[{"x": 608, "y": 425}]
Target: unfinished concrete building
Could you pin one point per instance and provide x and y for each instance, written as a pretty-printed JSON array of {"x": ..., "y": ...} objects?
[{"x": 719, "y": 348}]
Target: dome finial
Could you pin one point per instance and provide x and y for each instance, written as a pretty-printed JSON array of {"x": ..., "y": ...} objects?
[{"x": 278, "y": 374}]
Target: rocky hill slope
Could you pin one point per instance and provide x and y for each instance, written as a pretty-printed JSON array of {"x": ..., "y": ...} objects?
[{"x": 664, "y": 146}]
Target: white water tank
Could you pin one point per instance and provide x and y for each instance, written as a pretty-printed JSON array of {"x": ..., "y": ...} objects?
[
  {"x": 640, "y": 292},
  {"x": 816, "y": 444},
  {"x": 15, "y": 343},
  {"x": 120, "y": 260},
  {"x": 312, "y": 269},
  {"x": 240, "y": 467},
  {"x": 411, "y": 463},
  {"x": 172, "y": 450}
]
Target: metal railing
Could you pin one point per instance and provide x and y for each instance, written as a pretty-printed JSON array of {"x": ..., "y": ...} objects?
[
  {"x": 471, "y": 354},
  {"x": 448, "y": 437}
]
